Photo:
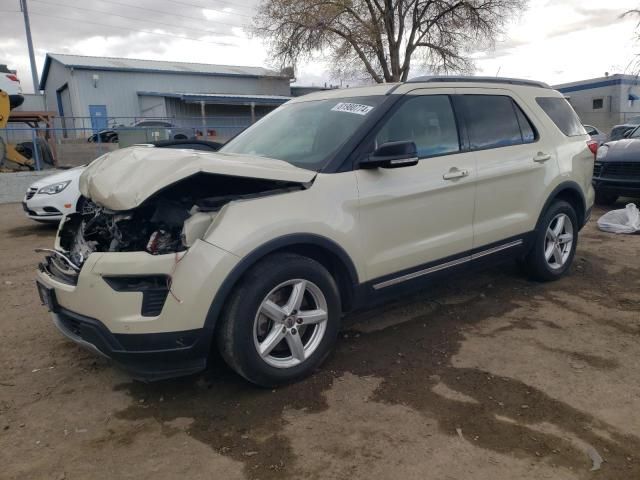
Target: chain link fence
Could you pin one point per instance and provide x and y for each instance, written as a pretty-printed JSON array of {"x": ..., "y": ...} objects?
[{"x": 74, "y": 141}]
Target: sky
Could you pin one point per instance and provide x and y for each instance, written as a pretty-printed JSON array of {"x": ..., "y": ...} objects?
[{"x": 554, "y": 41}]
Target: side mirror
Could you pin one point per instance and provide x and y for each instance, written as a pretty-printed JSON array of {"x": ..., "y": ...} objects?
[{"x": 392, "y": 155}]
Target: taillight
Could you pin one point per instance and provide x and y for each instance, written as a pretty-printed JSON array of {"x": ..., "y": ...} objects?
[
  {"x": 593, "y": 146},
  {"x": 13, "y": 78}
]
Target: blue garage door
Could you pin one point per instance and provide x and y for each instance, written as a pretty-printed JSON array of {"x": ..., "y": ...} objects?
[{"x": 98, "y": 114}]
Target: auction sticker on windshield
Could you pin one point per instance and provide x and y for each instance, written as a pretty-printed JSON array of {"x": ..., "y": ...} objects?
[{"x": 356, "y": 108}]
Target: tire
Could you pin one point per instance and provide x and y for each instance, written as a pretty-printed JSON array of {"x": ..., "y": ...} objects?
[
  {"x": 606, "y": 198},
  {"x": 538, "y": 263},
  {"x": 244, "y": 329}
]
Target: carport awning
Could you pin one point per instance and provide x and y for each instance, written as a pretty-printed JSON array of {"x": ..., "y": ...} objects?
[{"x": 222, "y": 98}]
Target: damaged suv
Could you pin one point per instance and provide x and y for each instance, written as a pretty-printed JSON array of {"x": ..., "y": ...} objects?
[{"x": 334, "y": 201}]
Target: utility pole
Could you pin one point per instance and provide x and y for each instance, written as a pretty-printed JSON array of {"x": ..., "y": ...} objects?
[{"x": 32, "y": 57}]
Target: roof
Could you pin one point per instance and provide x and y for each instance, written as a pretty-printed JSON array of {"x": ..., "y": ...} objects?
[
  {"x": 223, "y": 98},
  {"x": 598, "y": 82},
  {"x": 81, "y": 62},
  {"x": 364, "y": 91},
  {"x": 474, "y": 79}
]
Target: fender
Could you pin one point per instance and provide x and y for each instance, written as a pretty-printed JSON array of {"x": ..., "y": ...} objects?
[
  {"x": 574, "y": 188},
  {"x": 255, "y": 255}
]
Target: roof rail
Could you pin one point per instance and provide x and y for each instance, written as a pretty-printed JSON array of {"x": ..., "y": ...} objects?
[{"x": 467, "y": 78}]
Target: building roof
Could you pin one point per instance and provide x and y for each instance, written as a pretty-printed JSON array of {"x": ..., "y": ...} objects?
[
  {"x": 599, "y": 82},
  {"x": 223, "y": 98},
  {"x": 81, "y": 62}
]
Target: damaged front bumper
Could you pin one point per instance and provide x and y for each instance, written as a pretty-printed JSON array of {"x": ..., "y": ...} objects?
[{"x": 119, "y": 307}]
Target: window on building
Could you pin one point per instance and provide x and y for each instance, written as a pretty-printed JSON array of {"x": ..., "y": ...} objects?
[
  {"x": 492, "y": 121},
  {"x": 598, "y": 103},
  {"x": 428, "y": 121}
]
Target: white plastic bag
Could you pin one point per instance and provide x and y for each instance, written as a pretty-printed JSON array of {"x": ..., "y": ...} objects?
[{"x": 626, "y": 220}]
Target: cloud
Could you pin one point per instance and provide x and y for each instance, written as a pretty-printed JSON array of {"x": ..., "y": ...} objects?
[{"x": 553, "y": 40}]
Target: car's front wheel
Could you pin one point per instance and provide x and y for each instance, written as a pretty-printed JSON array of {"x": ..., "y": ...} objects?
[{"x": 281, "y": 321}]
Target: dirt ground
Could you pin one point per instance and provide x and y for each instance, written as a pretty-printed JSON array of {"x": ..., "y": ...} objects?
[{"x": 487, "y": 377}]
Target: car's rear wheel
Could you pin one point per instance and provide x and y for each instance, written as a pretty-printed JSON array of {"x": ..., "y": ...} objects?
[
  {"x": 555, "y": 243},
  {"x": 606, "y": 198},
  {"x": 281, "y": 321}
]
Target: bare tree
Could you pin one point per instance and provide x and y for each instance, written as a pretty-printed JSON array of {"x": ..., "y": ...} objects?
[
  {"x": 382, "y": 37},
  {"x": 634, "y": 65}
]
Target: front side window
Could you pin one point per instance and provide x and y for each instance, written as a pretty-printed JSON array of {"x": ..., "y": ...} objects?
[
  {"x": 428, "y": 121},
  {"x": 561, "y": 113},
  {"x": 305, "y": 134},
  {"x": 493, "y": 121}
]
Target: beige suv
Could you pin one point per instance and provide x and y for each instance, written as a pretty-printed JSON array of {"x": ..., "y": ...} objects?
[{"x": 335, "y": 200}]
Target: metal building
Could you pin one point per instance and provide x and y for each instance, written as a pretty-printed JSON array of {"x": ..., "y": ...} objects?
[
  {"x": 107, "y": 91},
  {"x": 605, "y": 101}
]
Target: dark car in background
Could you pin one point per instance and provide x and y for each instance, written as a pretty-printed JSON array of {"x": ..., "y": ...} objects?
[
  {"x": 616, "y": 171},
  {"x": 619, "y": 131},
  {"x": 596, "y": 134},
  {"x": 110, "y": 135}
]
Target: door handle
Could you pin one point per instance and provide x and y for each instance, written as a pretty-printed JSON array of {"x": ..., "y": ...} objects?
[
  {"x": 455, "y": 173},
  {"x": 541, "y": 157}
]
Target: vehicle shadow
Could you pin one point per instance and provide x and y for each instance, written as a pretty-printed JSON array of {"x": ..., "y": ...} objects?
[{"x": 408, "y": 345}]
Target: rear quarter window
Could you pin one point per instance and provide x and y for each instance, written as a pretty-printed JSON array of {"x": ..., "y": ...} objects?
[{"x": 562, "y": 114}]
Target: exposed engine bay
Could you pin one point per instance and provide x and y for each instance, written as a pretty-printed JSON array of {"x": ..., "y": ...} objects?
[{"x": 169, "y": 221}]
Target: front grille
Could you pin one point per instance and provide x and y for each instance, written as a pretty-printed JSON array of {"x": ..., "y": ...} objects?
[
  {"x": 597, "y": 169},
  {"x": 31, "y": 192},
  {"x": 627, "y": 170}
]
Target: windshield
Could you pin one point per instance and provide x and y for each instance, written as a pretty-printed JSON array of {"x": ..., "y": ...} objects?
[
  {"x": 635, "y": 133},
  {"x": 305, "y": 134}
]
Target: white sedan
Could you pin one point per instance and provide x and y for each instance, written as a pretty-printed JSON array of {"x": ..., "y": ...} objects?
[{"x": 47, "y": 200}]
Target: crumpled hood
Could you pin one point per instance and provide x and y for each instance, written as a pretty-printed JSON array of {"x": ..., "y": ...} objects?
[{"x": 123, "y": 179}]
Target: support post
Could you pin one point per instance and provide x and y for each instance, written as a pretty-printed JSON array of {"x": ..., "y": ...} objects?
[
  {"x": 32, "y": 57},
  {"x": 203, "y": 114},
  {"x": 253, "y": 113}
]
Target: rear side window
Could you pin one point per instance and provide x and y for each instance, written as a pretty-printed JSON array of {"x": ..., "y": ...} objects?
[
  {"x": 495, "y": 121},
  {"x": 561, "y": 113}
]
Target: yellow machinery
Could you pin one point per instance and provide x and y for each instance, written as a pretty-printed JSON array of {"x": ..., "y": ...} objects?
[{"x": 10, "y": 159}]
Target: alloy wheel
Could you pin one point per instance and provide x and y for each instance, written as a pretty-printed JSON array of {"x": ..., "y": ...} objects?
[
  {"x": 290, "y": 323},
  {"x": 558, "y": 241}
]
